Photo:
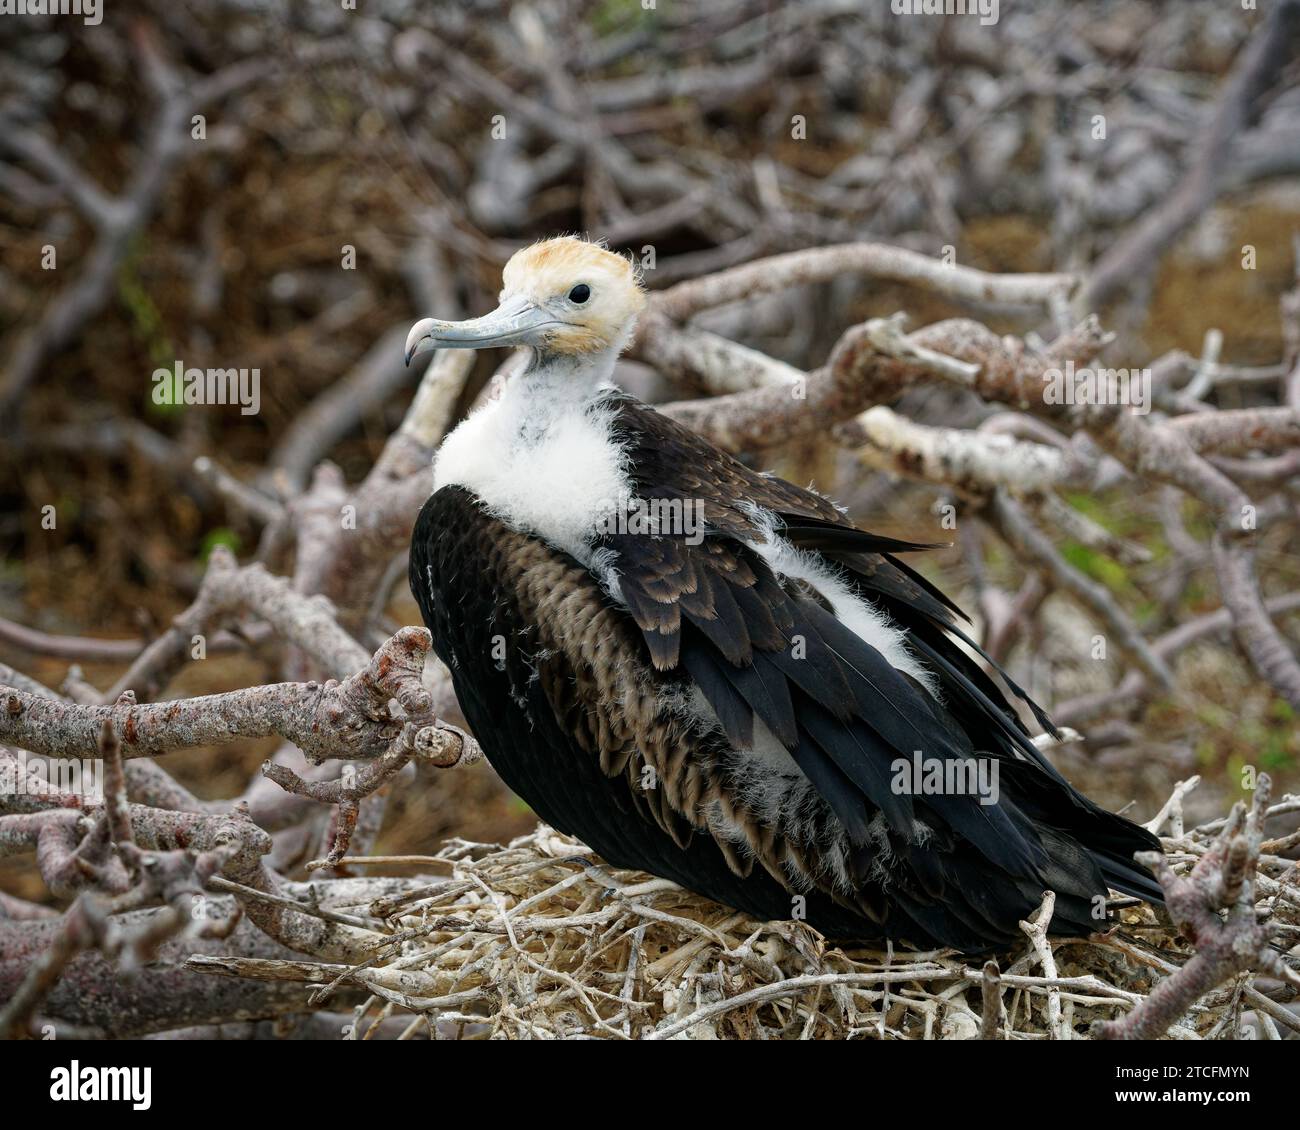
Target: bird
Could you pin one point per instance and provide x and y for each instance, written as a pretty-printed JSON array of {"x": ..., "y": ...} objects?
[{"x": 710, "y": 674}]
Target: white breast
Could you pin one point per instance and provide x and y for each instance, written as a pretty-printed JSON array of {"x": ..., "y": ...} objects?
[{"x": 553, "y": 470}]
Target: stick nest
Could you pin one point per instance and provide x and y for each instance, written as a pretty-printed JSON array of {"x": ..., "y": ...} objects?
[{"x": 540, "y": 940}]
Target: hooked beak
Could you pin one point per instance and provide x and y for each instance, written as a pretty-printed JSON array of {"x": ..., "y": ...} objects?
[{"x": 517, "y": 321}]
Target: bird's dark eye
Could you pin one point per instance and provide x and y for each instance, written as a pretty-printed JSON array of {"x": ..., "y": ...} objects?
[{"x": 580, "y": 293}]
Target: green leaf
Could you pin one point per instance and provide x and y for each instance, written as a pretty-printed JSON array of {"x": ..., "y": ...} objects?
[{"x": 222, "y": 535}]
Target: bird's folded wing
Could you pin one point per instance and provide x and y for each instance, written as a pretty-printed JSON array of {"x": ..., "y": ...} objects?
[
  {"x": 670, "y": 461},
  {"x": 766, "y": 652}
]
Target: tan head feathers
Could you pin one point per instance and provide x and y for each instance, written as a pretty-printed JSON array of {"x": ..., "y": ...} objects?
[{"x": 598, "y": 291}]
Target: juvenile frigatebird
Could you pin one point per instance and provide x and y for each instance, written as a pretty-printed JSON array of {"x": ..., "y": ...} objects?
[{"x": 711, "y": 674}]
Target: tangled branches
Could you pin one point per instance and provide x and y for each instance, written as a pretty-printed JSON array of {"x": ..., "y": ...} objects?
[{"x": 538, "y": 940}]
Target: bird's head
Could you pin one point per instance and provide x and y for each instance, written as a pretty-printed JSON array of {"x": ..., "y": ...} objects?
[{"x": 562, "y": 296}]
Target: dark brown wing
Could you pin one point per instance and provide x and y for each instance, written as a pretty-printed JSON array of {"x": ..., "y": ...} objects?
[
  {"x": 841, "y": 709},
  {"x": 670, "y": 462}
]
